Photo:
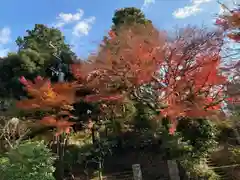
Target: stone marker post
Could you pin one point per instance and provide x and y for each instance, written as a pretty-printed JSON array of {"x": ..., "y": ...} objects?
[
  {"x": 137, "y": 173},
  {"x": 173, "y": 170}
]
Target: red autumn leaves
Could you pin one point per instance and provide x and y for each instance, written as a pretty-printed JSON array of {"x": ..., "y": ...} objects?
[
  {"x": 63, "y": 125},
  {"x": 46, "y": 95},
  {"x": 129, "y": 59},
  {"x": 58, "y": 97},
  {"x": 133, "y": 57},
  {"x": 230, "y": 21}
]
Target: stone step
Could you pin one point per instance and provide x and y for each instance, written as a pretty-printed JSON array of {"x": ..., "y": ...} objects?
[{"x": 223, "y": 175}]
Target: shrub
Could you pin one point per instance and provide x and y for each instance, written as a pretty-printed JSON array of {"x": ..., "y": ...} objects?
[
  {"x": 201, "y": 135},
  {"x": 191, "y": 144},
  {"x": 29, "y": 161},
  {"x": 235, "y": 154},
  {"x": 199, "y": 169}
]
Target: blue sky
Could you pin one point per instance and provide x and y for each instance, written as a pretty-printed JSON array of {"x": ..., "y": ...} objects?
[{"x": 84, "y": 22}]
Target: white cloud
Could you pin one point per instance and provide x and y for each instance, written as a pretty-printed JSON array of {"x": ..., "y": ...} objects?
[
  {"x": 5, "y": 37},
  {"x": 186, "y": 11},
  {"x": 190, "y": 10},
  {"x": 83, "y": 27},
  {"x": 147, "y": 3},
  {"x": 67, "y": 18},
  {"x": 200, "y": 1},
  {"x": 5, "y": 34}
]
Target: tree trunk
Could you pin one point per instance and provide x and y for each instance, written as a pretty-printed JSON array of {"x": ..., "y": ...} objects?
[
  {"x": 60, "y": 160},
  {"x": 235, "y": 130},
  {"x": 100, "y": 176}
]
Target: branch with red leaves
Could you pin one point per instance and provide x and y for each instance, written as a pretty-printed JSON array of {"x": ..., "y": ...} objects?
[
  {"x": 47, "y": 96},
  {"x": 59, "y": 98},
  {"x": 230, "y": 21}
]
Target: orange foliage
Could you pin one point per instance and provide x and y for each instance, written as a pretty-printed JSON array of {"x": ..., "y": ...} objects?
[
  {"x": 95, "y": 98},
  {"x": 230, "y": 21},
  {"x": 186, "y": 67},
  {"x": 234, "y": 36},
  {"x": 47, "y": 96},
  {"x": 126, "y": 61},
  {"x": 62, "y": 125},
  {"x": 192, "y": 81}
]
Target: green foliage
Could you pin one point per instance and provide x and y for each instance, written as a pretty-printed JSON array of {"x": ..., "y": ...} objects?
[
  {"x": 200, "y": 134},
  {"x": 199, "y": 169},
  {"x": 30, "y": 160},
  {"x": 10, "y": 70},
  {"x": 36, "y": 52},
  {"x": 39, "y": 38},
  {"x": 34, "y": 57},
  {"x": 191, "y": 144},
  {"x": 143, "y": 116},
  {"x": 96, "y": 153},
  {"x": 235, "y": 151},
  {"x": 194, "y": 138},
  {"x": 128, "y": 16}
]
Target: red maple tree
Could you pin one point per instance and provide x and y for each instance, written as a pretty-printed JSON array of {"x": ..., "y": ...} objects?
[
  {"x": 187, "y": 67},
  {"x": 230, "y": 21},
  {"x": 126, "y": 61},
  {"x": 193, "y": 84},
  {"x": 57, "y": 97}
]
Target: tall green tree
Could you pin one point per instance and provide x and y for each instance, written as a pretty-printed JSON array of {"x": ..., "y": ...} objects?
[
  {"x": 36, "y": 49},
  {"x": 10, "y": 70},
  {"x": 34, "y": 57},
  {"x": 128, "y": 16}
]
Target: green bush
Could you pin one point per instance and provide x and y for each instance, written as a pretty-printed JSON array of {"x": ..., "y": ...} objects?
[
  {"x": 194, "y": 138},
  {"x": 191, "y": 144},
  {"x": 200, "y": 136},
  {"x": 29, "y": 161},
  {"x": 235, "y": 154},
  {"x": 199, "y": 169}
]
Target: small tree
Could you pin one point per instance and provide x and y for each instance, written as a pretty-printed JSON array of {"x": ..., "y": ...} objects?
[
  {"x": 29, "y": 160},
  {"x": 57, "y": 101},
  {"x": 56, "y": 98}
]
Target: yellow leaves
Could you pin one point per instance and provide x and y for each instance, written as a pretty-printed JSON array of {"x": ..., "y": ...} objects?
[{"x": 49, "y": 94}]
